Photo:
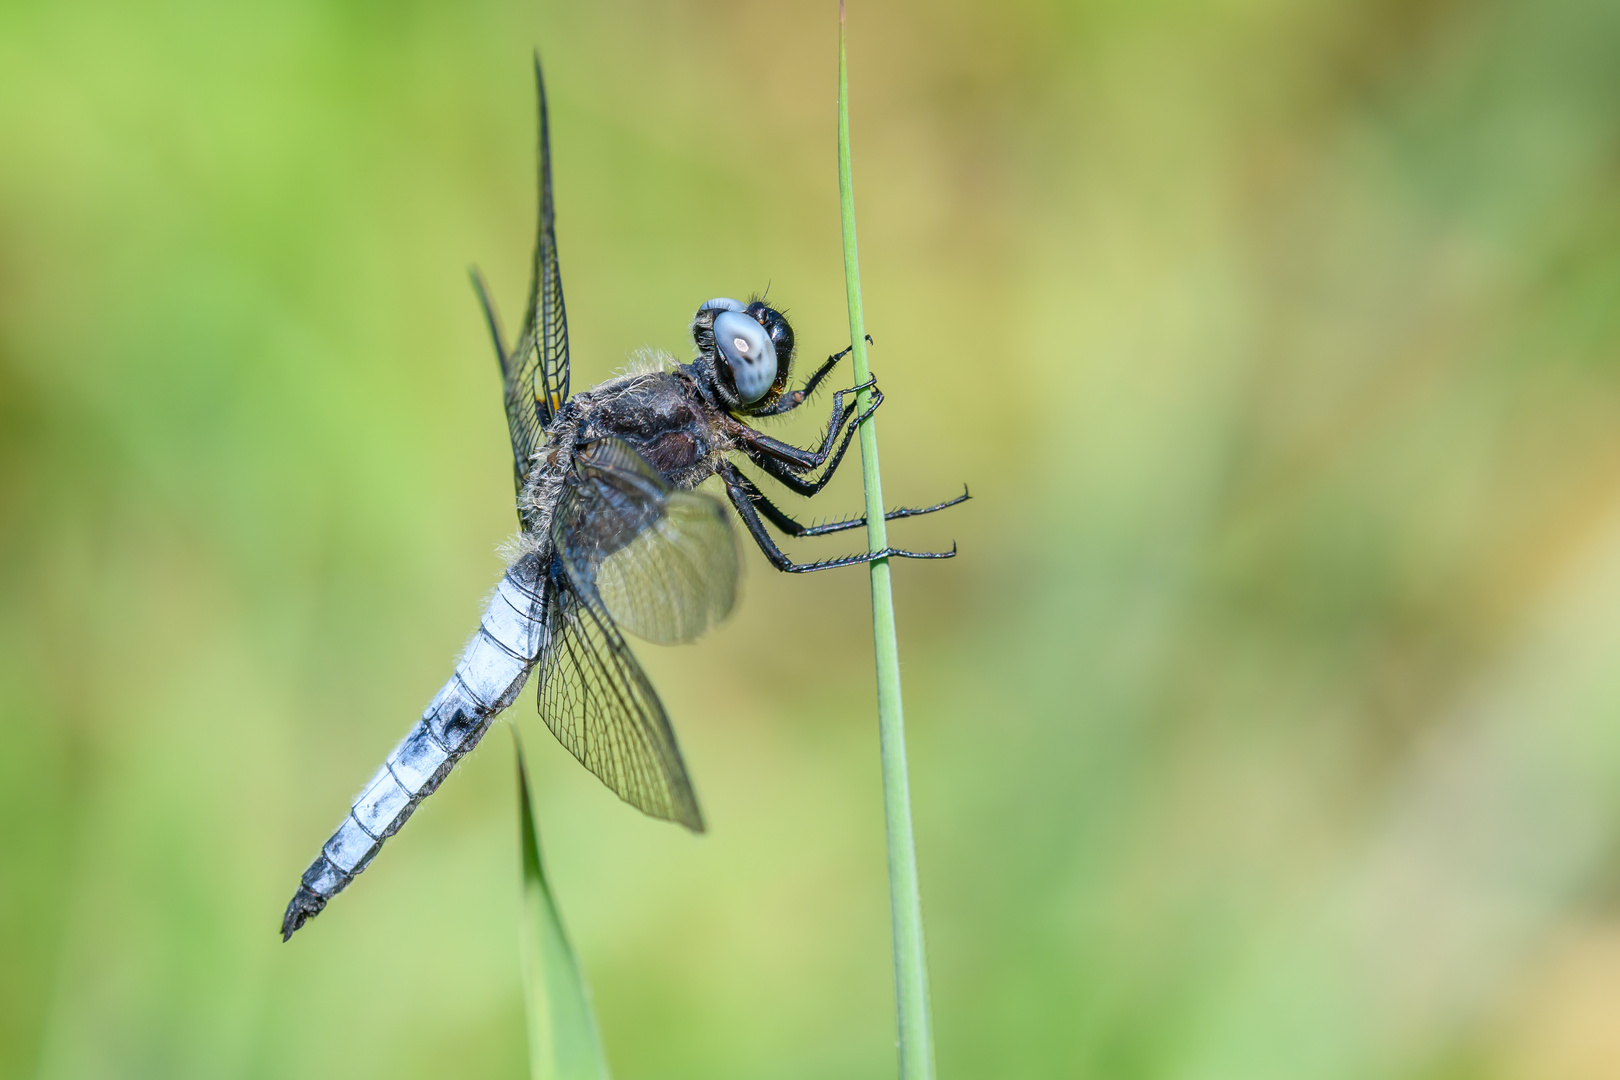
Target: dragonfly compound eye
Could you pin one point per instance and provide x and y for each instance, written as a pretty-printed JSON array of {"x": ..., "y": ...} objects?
[
  {"x": 723, "y": 303},
  {"x": 748, "y": 352}
]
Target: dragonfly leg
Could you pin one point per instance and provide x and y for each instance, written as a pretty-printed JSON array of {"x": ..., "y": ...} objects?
[
  {"x": 798, "y": 459},
  {"x": 789, "y": 402},
  {"x": 776, "y": 516},
  {"x": 779, "y": 559},
  {"x": 786, "y": 464}
]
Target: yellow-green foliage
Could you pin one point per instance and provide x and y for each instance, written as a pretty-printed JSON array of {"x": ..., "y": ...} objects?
[{"x": 564, "y": 1043}]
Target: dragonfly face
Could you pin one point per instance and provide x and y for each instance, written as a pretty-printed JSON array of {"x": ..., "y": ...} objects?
[
  {"x": 745, "y": 353},
  {"x": 612, "y": 538}
]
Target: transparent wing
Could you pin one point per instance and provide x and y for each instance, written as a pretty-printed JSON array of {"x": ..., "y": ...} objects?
[
  {"x": 536, "y": 371},
  {"x": 597, "y": 701},
  {"x": 663, "y": 562}
]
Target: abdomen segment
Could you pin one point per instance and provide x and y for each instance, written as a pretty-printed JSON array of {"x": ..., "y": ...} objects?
[{"x": 489, "y": 676}]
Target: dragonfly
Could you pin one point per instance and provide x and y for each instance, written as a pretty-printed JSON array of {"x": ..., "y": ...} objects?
[{"x": 612, "y": 538}]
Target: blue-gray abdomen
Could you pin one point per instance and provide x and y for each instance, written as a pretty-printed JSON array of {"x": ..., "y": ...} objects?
[{"x": 489, "y": 676}]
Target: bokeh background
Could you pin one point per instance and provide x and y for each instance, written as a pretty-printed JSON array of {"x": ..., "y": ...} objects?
[{"x": 1267, "y": 726}]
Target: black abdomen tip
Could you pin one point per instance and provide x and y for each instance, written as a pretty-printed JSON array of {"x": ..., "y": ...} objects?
[{"x": 304, "y": 906}]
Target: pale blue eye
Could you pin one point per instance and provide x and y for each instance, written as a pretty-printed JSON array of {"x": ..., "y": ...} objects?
[
  {"x": 748, "y": 352},
  {"x": 723, "y": 303}
]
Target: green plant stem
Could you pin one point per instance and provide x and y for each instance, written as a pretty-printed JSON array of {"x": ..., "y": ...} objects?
[
  {"x": 564, "y": 1043},
  {"x": 905, "y": 900}
]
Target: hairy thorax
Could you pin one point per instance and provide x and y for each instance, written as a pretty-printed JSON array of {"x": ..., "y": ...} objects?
[{"x": 659, "y": 413}]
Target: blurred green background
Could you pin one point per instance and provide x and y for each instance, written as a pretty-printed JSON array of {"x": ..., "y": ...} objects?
[{"x": 1265, "y": 727}]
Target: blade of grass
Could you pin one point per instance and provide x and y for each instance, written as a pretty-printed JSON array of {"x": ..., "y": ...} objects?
[
  {"x": 905, "y": 900},
  {"x": 564, "y": 1043}
]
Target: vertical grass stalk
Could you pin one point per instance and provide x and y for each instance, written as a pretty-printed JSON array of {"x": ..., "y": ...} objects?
[
  {"x": 905, "y": 901},
  {"x": 564, "y": 1043}
]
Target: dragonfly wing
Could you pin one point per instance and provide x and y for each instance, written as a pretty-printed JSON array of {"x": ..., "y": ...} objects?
[
  {"x": 598, "y": 702},
  {"x": 536, "y": 370},
  {"x": 662, "y": 562}
]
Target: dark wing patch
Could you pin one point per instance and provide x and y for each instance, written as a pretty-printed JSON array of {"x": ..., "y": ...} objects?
[
  {"x": 597, "y": 701},
  {"x": 663, "y": 562}
]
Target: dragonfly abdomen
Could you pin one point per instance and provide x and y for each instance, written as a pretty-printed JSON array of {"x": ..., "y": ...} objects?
[{"x": 489, "y": 676}]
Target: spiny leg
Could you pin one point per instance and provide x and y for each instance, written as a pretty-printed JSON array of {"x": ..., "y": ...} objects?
[
  {"x": 778, "y": 559},
  {"x": 792, "y": 401},
  {"x": 776, "y": 516},
  {"x": 765, "y": 453},
  {"x": 789, "y": 477},
  {"x": 796, "y": 458}
]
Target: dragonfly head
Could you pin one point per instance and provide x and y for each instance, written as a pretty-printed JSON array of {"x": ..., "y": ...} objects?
[{"x": 745, "y": 352}]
